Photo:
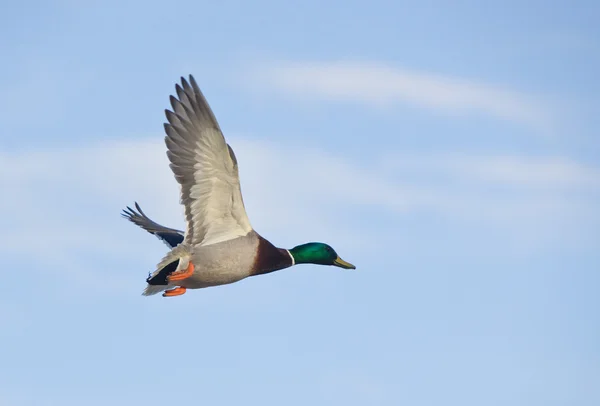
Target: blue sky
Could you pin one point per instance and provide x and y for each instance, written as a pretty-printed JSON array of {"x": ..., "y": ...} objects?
[{"x": 449, "y": 151}]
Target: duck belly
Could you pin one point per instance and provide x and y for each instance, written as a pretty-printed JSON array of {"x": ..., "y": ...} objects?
[{"x": 203, "y": 278}]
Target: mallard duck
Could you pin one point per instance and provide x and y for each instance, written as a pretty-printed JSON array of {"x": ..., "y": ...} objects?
[{"x": 219, "y": 245}]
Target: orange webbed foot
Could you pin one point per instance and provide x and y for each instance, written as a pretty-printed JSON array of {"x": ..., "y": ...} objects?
[
  {"x": 178, "y": 291},
  {"x": 181, "y": 275}
]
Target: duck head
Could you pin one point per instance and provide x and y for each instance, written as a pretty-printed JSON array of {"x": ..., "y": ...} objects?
[{"x": 318, "y": 253}]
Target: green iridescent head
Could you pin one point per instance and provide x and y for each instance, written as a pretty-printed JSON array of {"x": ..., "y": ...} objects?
[{"x": 318, "y": 253}]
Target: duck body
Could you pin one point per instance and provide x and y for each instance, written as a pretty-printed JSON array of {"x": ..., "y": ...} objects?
[{"x": 221, "y": 263}]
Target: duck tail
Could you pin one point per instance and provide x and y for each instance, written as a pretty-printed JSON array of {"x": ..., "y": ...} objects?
[
  {"x": 154, "y": 289},
  {"x": 157, "y": 281}
]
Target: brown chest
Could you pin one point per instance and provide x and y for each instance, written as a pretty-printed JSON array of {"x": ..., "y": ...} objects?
[{"x": 270, "y": 258}]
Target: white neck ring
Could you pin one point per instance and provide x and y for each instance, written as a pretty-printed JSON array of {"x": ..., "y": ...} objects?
[{"x": 291, "y": 256}]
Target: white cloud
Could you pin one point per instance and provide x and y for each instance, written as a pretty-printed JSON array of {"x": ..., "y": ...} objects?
[
  {"x": 64, "y": 203},
  {"x": 531, "y": 199},
  {"x": 381, "y": 85},
  {"x": 543, "y": 172}
]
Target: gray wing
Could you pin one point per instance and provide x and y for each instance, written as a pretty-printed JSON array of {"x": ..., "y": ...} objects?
[
  {"x": 169, "y": 236},
  {"x": 206, "y": 168}
]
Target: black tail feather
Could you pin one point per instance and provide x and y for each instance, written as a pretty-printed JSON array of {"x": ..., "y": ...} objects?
[{"x": 161, "y": 277}]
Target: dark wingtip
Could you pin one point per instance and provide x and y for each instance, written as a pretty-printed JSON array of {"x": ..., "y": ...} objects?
[
  {"x": 127, "y": 212},
  {"x": 193, "y": 82},
  {"x": 173, "y": 100},
  {"x": 140, "y": 211},
  {"x": 130, "y": 213}
]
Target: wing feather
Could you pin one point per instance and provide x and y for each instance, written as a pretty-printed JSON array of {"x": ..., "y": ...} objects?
[
  {"x": 206, "y": 168},
  {"x": 170, "y": 236}
]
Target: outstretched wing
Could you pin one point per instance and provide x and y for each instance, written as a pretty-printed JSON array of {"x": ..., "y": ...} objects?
[
  {"x": 170, "y": 236},
  {"x": 206, "y": 168}
]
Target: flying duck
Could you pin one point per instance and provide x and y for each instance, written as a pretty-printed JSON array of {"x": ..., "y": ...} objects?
[{"x": 219, "y": 246}]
